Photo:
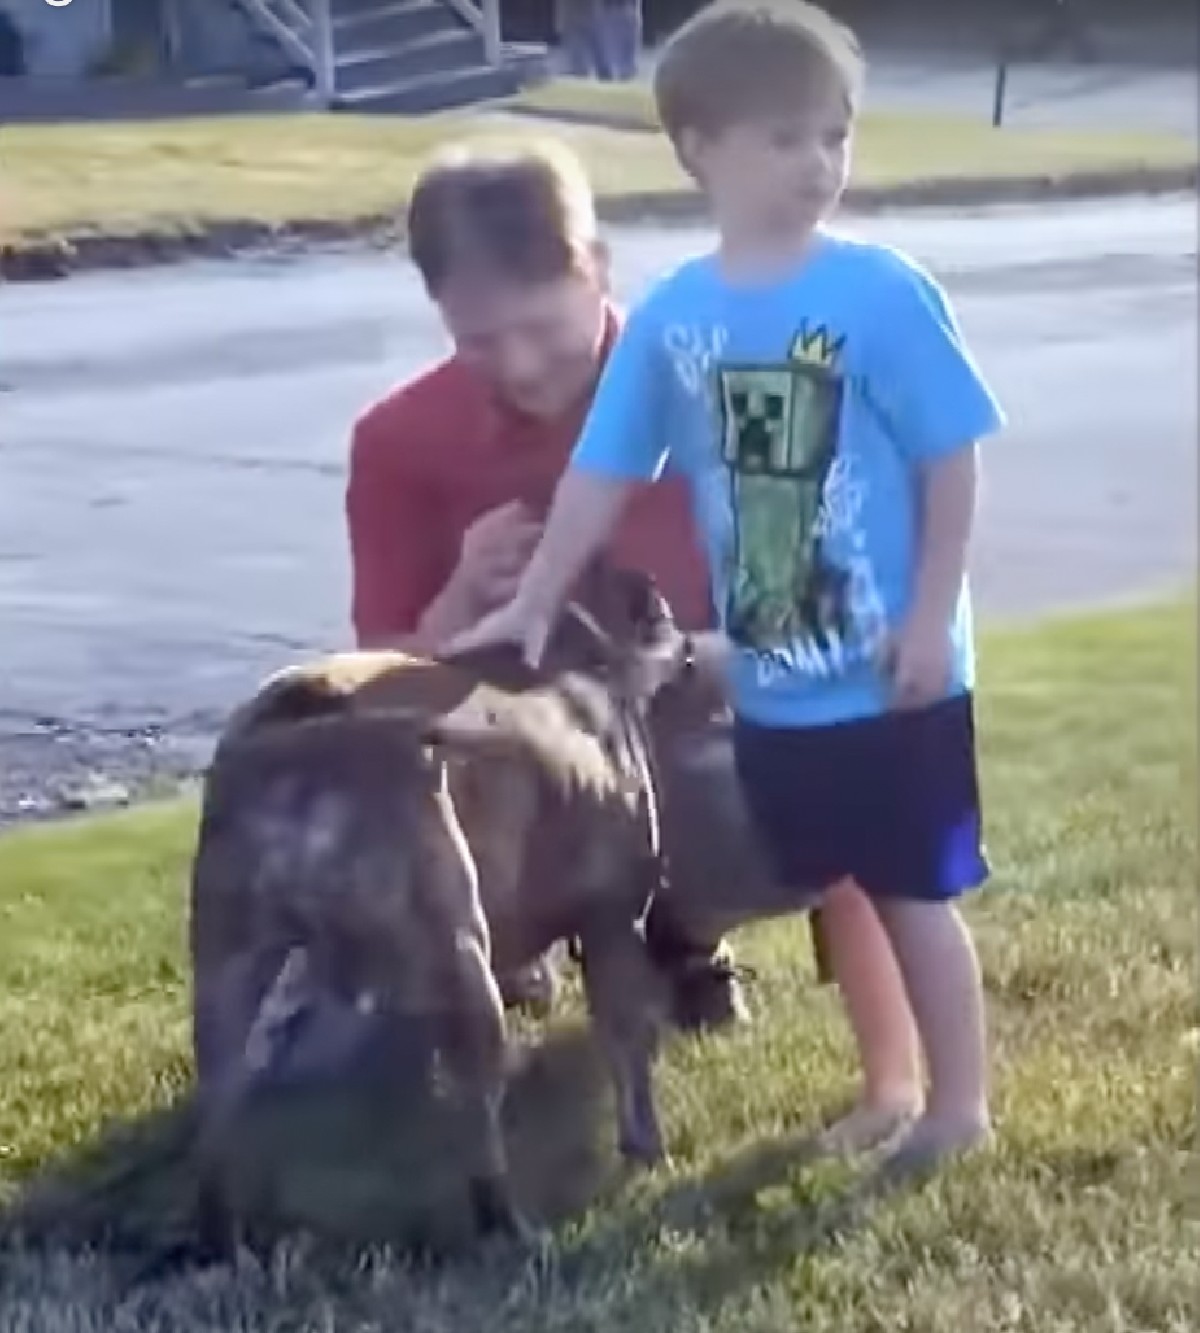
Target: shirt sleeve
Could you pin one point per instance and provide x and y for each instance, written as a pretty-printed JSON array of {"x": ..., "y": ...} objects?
[
  {"x": 922, "y": 378},
  {"x": 624, "y": 436},
  {"x": 397, "y": 537}
]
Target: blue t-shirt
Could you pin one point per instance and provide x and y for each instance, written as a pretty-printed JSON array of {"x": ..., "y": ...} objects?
[{"x": 800, "y": 412}]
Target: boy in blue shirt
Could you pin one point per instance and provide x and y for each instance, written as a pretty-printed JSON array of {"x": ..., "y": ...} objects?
[{"x": 817, "y": 394}]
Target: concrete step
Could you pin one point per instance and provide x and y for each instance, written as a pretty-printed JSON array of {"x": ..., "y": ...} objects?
[
  {"x": 360, "y": 6},
  {"x": 439, "y": 91},
  {"x": 435, "y": 53},
  {"x": 531, "y": 61},
  {"x": 372, "y": 24}
]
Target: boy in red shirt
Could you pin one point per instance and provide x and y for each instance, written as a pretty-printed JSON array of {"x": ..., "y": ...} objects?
[{"x": 451, "y": 473}]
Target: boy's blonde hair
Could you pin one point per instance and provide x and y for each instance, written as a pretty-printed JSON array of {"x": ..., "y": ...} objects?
[
  {"x": 524, "y": 212},
  {"x": 736, "y": 60}
]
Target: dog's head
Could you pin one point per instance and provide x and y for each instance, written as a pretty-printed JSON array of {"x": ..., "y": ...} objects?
[
  {"x": 646, "y": 651},
  {"x": 619, "y": 625},
  {"x": 614, "y": 649}
]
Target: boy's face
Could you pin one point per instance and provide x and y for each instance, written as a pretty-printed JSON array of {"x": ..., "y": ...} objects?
[
  {"x": 538, "y": 346},
  {"x": 774, "y": 174}
]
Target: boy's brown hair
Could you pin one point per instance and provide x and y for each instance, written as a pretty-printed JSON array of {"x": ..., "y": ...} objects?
[
  {"x": 525, "y": 213},
  {"x": 736, "y": 60}
]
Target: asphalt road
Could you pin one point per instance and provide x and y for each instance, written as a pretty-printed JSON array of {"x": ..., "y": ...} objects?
[{"x": 172, "y": 445}]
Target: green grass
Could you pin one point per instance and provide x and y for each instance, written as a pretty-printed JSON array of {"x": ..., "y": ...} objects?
[
  {"x": 899, "y": 147},
  {"x": 168, "y": 177},
  {"x": 1081, "y": 1221}
]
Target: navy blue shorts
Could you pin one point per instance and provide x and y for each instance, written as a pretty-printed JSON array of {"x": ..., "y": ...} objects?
[{"x": 891, "y": 801}]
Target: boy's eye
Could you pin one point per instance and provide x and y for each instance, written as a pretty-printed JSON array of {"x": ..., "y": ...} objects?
[{"x": 786, "y": 137}]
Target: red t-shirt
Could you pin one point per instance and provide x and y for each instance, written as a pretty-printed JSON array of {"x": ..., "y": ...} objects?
[{"x": 438, "y": 452}]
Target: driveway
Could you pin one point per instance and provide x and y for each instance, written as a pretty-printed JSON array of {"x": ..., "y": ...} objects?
[{"x": 172, "y": 449}]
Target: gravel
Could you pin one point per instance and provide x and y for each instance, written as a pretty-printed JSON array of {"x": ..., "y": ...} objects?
[{"x": 51, "y": 768}]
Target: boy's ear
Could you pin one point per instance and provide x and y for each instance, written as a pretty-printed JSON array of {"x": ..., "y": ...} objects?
[
  {"x": 689, "y": 154},
  {"x": 602, "y": 265}
]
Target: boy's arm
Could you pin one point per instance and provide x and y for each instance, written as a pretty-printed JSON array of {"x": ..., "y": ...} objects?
[
  {"x": 400, "y": 551},
  {"x": 583, "y": 515},
  {"x": 937, "y": 407},
  {"x": 948, "y": 489}
]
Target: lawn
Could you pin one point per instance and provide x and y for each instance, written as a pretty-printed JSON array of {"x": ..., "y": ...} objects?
[
  {"x": 1080, "y": 1221},
  {"x": 175, "y": 176},
  {"x": 894, "y": 149}
]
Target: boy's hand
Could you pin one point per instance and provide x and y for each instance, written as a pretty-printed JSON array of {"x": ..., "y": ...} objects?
[
  {"x": 917, "y": 659},
  {"x": 584, "y": 513},
  {"x": 495, "y": 550},
  {"x": 511, "y": 623}
]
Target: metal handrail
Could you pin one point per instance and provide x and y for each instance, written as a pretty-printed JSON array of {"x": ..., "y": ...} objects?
[
  {"x": 484, "y": 17},
  {"x": 324, "y": 60},
  {"x": 304, "y": 28},
  {"x": 263, "y": 14}
]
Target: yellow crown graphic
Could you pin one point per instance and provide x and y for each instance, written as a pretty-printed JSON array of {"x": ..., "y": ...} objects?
[{"x": 816, "y": 346}]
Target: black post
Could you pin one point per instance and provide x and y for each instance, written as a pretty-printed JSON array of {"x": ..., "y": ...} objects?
[{"x": 999, "y": 91}]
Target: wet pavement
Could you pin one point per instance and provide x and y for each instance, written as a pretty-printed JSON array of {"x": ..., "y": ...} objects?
[{"x": 173, "y": 443}]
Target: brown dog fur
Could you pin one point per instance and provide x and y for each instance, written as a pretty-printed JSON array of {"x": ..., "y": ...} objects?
[{"x": 378, "y": 824}]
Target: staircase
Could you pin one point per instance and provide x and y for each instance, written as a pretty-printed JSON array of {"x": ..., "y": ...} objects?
[{"x": 397, "y": 56}]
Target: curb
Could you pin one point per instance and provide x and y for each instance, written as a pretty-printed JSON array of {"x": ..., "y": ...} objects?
[
  {"x": 947, "y": 192},
  {"x": 59, "y": 256},
  {"x": 67, "y": 253}
]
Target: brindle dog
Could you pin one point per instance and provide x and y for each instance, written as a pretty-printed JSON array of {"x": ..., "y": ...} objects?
[
  {"x": 386, "y": 829},
  {"x": 331, "y": 863}
]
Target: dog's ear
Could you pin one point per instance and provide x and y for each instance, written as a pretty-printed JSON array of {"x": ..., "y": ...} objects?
[
  {"x": 652, "y": 615},
  {"x": 642, "y": 615},
  {"x": 644, "y": 601},
  {"x": 479, "y": 724},
  {"x": 627, "y": 604},
  {"x": 580, "y": 640}
]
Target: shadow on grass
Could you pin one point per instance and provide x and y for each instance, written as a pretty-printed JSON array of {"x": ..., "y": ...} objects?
[
  {"x": 747, "y": 1221},
  {"x": 351, "y": 1165}
]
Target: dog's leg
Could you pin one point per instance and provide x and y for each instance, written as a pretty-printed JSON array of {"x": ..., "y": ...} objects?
[
  {"x": 626, "y": 1003},
  {"x": 219, "y": 1100},
  {"x": 290, "y": 993},
  {"x": 476, "y": 1049},
  {"x": 227, "y": 1000}
]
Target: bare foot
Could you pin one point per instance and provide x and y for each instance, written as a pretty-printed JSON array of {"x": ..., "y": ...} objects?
[
  {"x": 870, "y": 1125},
  {"x": 934, "y": 1140}
]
